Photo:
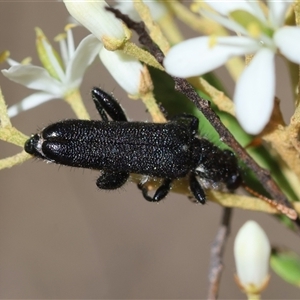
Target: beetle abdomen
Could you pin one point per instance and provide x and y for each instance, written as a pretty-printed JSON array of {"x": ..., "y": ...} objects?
[{"x": 143, "y": 148}]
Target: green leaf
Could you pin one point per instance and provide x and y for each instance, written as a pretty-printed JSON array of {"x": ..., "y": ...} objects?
[{"x": 286, "y": 264}]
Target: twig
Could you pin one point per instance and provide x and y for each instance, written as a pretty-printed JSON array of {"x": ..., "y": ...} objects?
[
  {"x": 203, "y": 105},
  {"x": 217, "y": 250},
  {"x": 263, "y": 175}
]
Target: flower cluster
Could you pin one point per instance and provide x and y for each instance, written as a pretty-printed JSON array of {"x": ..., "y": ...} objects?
[
  {"x": 262, "y": 33},
  {"x": 62, "y": 75},
  {"x": 259, "y": 35},
  {"x": 59, "y": 76}
]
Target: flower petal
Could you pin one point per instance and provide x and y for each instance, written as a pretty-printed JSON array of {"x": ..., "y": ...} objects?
[
  {"x": 287, "y": 40},
  {"x": 195, "y": 56},
  {"x": 64, "y": 52},
  {"x": 50, "y": 61},
  {"x": 93, "y": 16},
  {"x": 157, "y": 9},
  {"x": 254, "y": 92},
  {"x": 126, "y": 7},
  {"x": 242, "y": 45},
  {"x": 125, "y": 69},
  {"x": 277, "y": 11},
  {"x": 12, "y": 62},
  {"x": 70, "y": 41},
  {"x": 255, "y": 10},
  {"x": 34, "y": 77},
  {"x": 28, "y": 103},
  {"x": 224, "y": 7},
  {"x": 224, "y": 21},
  {"x": 84, "y": 55}
]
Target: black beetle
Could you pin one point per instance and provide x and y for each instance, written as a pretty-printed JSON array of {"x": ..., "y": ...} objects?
[{"x": 168, "y": 151}]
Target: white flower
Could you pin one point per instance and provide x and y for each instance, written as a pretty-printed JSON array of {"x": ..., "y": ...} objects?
[
  {"x": 93, "y": 15},
  {"x": 157, "y": 9},
  {"x": 252, "y": 253},
  {"x": 262, "y": 36},
  {"x": 125, "y": 69},
  {"x": 59, "y": 77}
]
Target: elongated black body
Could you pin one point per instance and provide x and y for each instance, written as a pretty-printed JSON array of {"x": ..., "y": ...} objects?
[
  {"x": 170, "y": 150},
  {"x": 162, "y": 150}
]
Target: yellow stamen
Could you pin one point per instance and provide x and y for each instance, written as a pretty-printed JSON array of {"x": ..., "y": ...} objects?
[
  {"x": 26, "y": 61},
  {"x": 4, "y": 56},
  {"x": 70, "y": 26},
  {"x": 254, "y": 30},
  {"x": 60, "y": 37}
]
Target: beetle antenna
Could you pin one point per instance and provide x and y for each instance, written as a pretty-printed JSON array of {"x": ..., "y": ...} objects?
[{"x": 289, "y": 212}]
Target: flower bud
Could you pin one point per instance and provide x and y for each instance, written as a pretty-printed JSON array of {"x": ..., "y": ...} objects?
[
  {"x": 252, "y": 252},
  {"x": 94, "y": 16}
]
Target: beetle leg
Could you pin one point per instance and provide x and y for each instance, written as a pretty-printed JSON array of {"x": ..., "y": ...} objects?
[
  {"x": 197, "y": 189},
  {"x": 112, "y": 180},
  {"x": 107, "y": 105},
  {"x": 160, "y": 193}
]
